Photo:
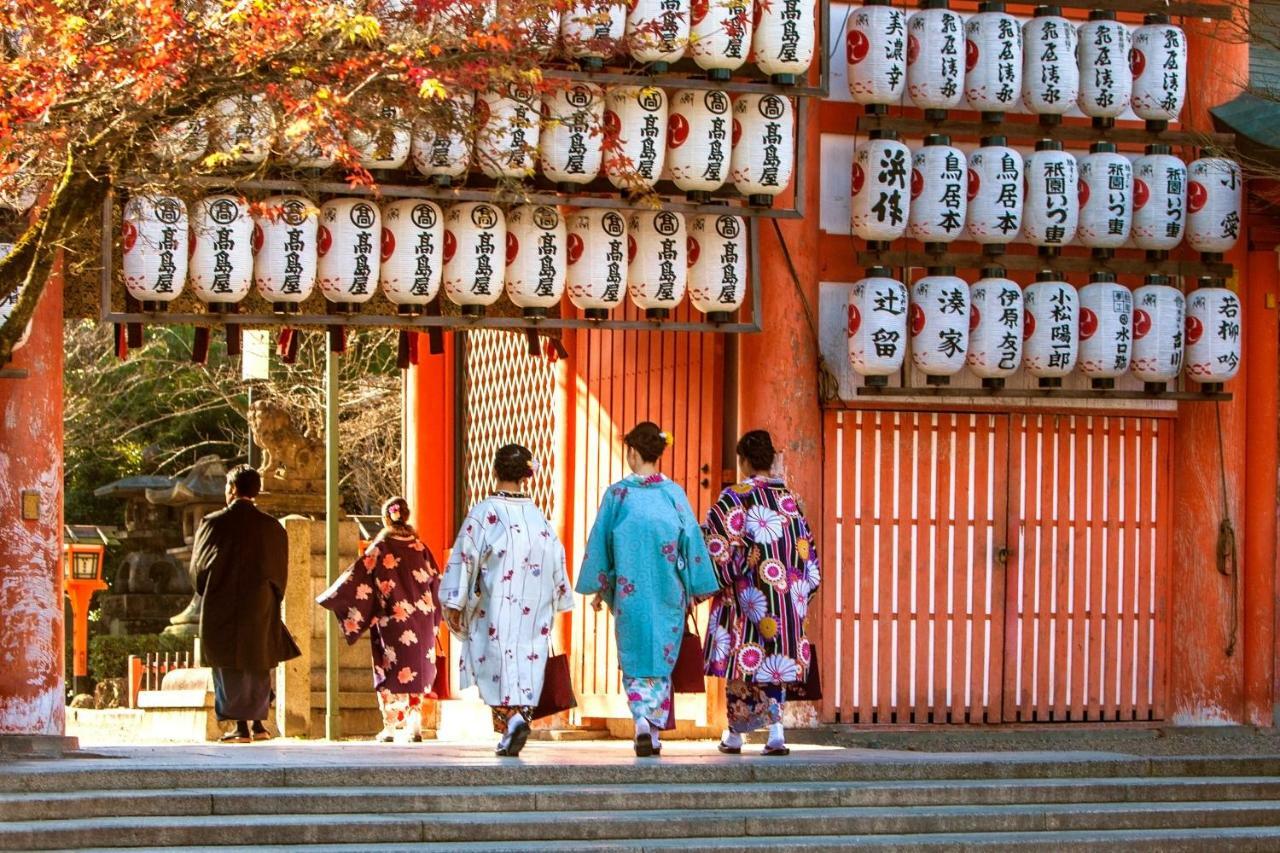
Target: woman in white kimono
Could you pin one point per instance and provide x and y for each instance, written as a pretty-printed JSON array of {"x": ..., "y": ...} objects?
[{"x": 505, "y": 582}]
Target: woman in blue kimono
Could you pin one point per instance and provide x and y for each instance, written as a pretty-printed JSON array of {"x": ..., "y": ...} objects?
[{"x": 647, "y": 560}]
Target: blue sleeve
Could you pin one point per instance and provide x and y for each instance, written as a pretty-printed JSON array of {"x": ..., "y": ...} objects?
[{"x": 598, "y": 572}]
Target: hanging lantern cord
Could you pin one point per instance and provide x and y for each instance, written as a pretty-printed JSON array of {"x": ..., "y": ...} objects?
[
  {"x": 828, "y": 384},
  {"x": 1226, "y": 550}
]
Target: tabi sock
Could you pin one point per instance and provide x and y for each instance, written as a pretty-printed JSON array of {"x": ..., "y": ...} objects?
[
  {"x": 642, "y": 727},
  {"x": 655, "y": 738},
  {"x": 775, "y": 735},
  {"x": 513, "y": 723},
  {"x": 731, "y": 739}
]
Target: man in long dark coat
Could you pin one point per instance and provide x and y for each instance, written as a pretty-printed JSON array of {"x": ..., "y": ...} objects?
[{"x": 241, "y": 559}]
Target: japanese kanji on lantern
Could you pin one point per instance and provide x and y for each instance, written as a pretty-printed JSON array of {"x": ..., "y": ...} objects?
[
  {"x": 1050, "y": 335},
  {"x": 992, "y": 60},
  {"x": 507, "y": 135},
  {"x": 153, "y": 243},
  {"x": 284, "y": 251},
  {"x": 657, "y": 32},
  {"x": 475, "y": 241},
  {"x": 1051, "y": 211},
  {"x": 1106, "y": 199},
  {"x": 939, "y": 323},
  {"x": 876, "y": 52},
  {"x": 1158, "y": 62},
  {"x": 1159, "y": 201},
  {"x": 442, "y": 143},
  {"x": 349, "y": 252},
  {"x": 570, "y": 146},
  {"x": 995, "y": 327},
  {"x": 540, "y": 25},
  {"x": 783, "y": 42},
  {"x": 183, "y": 141},
  {"x": 877, "y": 327},
  {"x": 763, "y": 147},
  {"x": 220, "y": 268},
  {"x": 995, "y": 190},
  {"x": 1105, "y": 81},
  {"x": 939, "y": 173},
  {"x": 636, "y": 124},
  {"x": 412, "y": 262},
  {"x": 1050, "y": 76},
  {"x": 18, "y": 192},
  {"x": 717, "y": 256},
  {"x": 597, "y": 254},
  {"x": 591, "y": 32},
  {"x": 1106, "y": 330},
  {"x": 536, "y": 250},
  {"x": 657, "y": 268},
  {"x": 1158, "y": 341},
  {"x": 1213, "y": 342},
  {"x": 1214, "y": 197},
  {"x": 9, "y": 304},
  {"x": 720, "y": 35},
  {"x": 242, "y": 127},
  {"x": 383, "y": 140},
  {"x": 935, "y": 63},
  {"x": 880, "y": 198},
  {"x": 699, "y": 142}
]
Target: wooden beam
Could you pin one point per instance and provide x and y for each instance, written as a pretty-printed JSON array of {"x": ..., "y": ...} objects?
[
  {"x": 1060, "y": 264},
  {"x": 1018, "y": 127}
]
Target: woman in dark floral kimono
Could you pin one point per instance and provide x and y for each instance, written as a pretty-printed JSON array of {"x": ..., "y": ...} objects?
[
  {"x": 767, "y": 563},
  {"x": 393, "y": 590}
]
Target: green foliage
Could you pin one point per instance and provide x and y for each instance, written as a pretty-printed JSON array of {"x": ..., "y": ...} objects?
[{"x": 109, "y": 656}]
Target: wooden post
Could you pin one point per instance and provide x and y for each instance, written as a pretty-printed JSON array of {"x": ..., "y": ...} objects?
[{"x": 333, "y": 510}]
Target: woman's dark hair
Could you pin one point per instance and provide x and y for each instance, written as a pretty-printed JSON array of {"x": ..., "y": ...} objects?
[
  {"x": 395, "y": 519},
  {"x": 247, "y": 481},
  {"x": 513, "y": 463},
  {"x": 757, "y": 448},
  {"x": 647, "y": 440}
]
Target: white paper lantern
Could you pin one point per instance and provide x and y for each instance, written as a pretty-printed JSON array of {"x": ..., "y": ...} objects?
[
  {"x": 1050, "y": 76},
  {"x": 475, "y": 241},
  {"x": 537, "y": 245},
  {"x": 657, "y": 31},
  {"x": 443, "y": 152},
  {"x": 1106, "y": 198},
  {"x": 1213, "y": 334},
  {"x": 763, "y": 147},
  {"x": 183, "y": 141},
  {"x": 720, "y": 35},
  {"x": 1159, "y": 200},
  {"x": 939, "y": 175},
  {"x": 1158, "y": 330},
  {"x": 220, "y": 268},
  {"x": 412, "y": 263},
  {"x": 783, "y": 42},
  {"x": 993, "y": 60},
  {"x": 1106, "y": 330},
  {"x": 590, "y": 32},
  {"x": 877, "y": 325},
  {"x": 1214, "y": 198},
  {"x": 285, "y": 235},
  {"x": 349, "y": 251},
  {"x": 10, "y": 303},
  {"x": 935, "y": 60},
  {"x": 699, "y": 142},
  {"x": 597, "y": 256},
  {"x": 657, "y": 271},
  {"x": 1103, "y": 57},
  {"x": 717, "y": 255},
  {"x": 995, "y": 193},
  {"x": 1158, "y": 62},
  {"x": 453, "y": 23},
  {"x": 570, "y": 146},
  {"x": 507, "y": 135},
  {"x": 385, "y": 139},
  {"x": 1051, "y": 211},
  {"x": 539, "y": 30},
  {"x": 635, "y": 118},
  {"x": 939, "y": 321},
  {"x": 19, "y": 192},
  {"x": 995, "y": 327},
  {"x": 880, "y": 197},
  {"x": 1051, "y": 329},
  {"x": 876, "y": 53},
  {"x": 154, "y": 235},
  {"x": 242, "y": 127}
]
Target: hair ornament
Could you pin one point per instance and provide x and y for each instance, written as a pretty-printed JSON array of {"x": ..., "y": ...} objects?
[
  {"x": 534, "y": 465},
  {"x": 667, "y": 438}
]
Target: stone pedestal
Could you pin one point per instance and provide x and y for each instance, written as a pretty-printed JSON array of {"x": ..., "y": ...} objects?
[{"x": 293, "y": 678}]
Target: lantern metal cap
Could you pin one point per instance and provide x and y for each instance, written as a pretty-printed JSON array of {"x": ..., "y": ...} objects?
[
  {"x": 657, "y": 313},
  {"x": 876, "y": 109},
  {"x": 783, "y": 79},
  {"x": 222, "y": 307},
  {"x": 472, "y": 310},
  {"x": 535, "y": 312},
  {"x": 935, "y": 116},
  {"x": 1157, "y": 125},
  {"x": 760, "y": 200},
  {"x": 940, "y": 270},
  {"x": 1211, "y": 257},
  {"x": 932, "y": 379},
  {"x": 596, "y": 313},
  {"x": 1048, "y": 145},
  {"x": 1211, "y": 387},
  {"x": 1048, "y": 12},
  {"x": 1103, "y": 384},
  {"x": 1155, "y": 387},
  {"x": 996, "y": 139},
  {"x": 991, "y": 117},
  {"x": 934, "y": 4},
  {"x": 879, "y": 272},
  {"x": 876, "y": 381},
  {"x": 1103, "y": 122},
  {"x": 1155, "y": 18},
  {"x": 1050, "y": 382},
  {"x": 1158, "y": 148},
  {"x": 719, "y": 74},
  {"x": 1102, "y": 15},
  {"x": 286, "y": 307},
  {"x": 882, "y": 133},
  {"x": 878, "y": 3},
  {"x": 719, "y": 316},
  {"x": 1102, "y": 147},
  {"x": 1047, "y": 275},
  {"x": 1157, "y": 255},
  {"x": 1050, "y": 119},
  {"x": 1210, "y": 281},
  {"x": 1101, "y": 276},
  {"x": 409, "y": 310},
  {"x": 993, "y": 383},
  {"x": 991, "y": 6},
  {"x": 698, "y": 197},
  {"x": 993, "y": 250},
  {"x": 937, "y": 139},
  {"x": 344, "y": 307},
  {"x": 1155, "y": 278},
  {"x": 993, "y": 272}
]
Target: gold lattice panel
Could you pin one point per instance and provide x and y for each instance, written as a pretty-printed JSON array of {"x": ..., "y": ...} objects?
[{"x": 509, "y": 397}]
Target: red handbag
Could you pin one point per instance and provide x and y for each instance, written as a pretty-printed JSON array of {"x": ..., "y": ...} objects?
[
  {"x": 687, "y": 676},
  {"x": 557, "y": 688}
]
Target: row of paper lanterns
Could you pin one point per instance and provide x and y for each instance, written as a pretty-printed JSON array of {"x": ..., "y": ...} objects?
[
  {"x": 1049, "y": 329},
  {"x": 412, "y": 249},
  {"x": 1101, "y": 200},
  {"x": 940, "y": 61}
]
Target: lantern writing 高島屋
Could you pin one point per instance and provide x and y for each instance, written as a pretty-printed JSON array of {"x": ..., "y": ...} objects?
[
  {"x": 1051, "y": 209},
  {"x": 880, "y": 198},
  {"x": 475, "y": 242},
  {"x": 183, "y": 141},
  {"x": 536, "y": 250},
  {"x": 349, "y": 251},
  {"x": 657, "y": 32},
  {"x": 1215, "y": 192},
  {"x": 537, "y": 28},
  {"x": 571, "y": 144},
  {"x": 635, "y": 121},
  {"x": 1159, "y": 201},
  {"x": 720, "y": 35},
  {"x": 1212, "y": 334},
  {"x": 1050, "y": 76},
  {"x": 1106, "y": 199},
  {"x": 590, "y": 32},
  {"x": 939, "y": 324},
  {"x": 993, "y": 60},
  {"x": 1158, "y": 62},
  {"x": 153, "y": 235},
  {"x": 10, "y": 303},
  {"x": 763, "y": 147},
  {"x": 876, "y": 53},
  {"x": 303, "y": 145},
  {"x": 1103, "y": 57},
  {"x": 877, "y": 327},
  {"x": 1158, "y": 329},
  {"x": 241, "y": 127},
  {"x": 1051, "y": 327},
  {"x": 784, "y": 38},
  {"x": 443, "y": 140},
  {"x": 1106, "y": 330},
  {"x": 939, "y": 173},
  {"x": 995, "y": 188},
  {"x": 507, "y": 134},
  {"x": 382, "y": 140},
  {"x": 699, "y": 142},
  {"x": 995, "y": 327},
  {"x": 597, "y": 256},
  {"x": 657, "y": 269},
  {"x": 412, "y": 262},
  {"x": 717, "y": 256},
  {"x": 935, "y": 59},
  {"x": 220, "y": 268},
  {"x": 284, "y": 251}
]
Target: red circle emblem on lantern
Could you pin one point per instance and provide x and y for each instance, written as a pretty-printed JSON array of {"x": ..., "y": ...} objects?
[
  {"x": 970, "y": 54},
  {"x": 1137, "y": 62},
  {"x": 128, "y": 236},
  {"x": 1028, "y": 325},
  {"x": 677, "y": 130},
  {"x": 855, "y": 320},
  {"x": 737, "y": 132},
  {"x": 913, "y": 49},
  {"x": 917, "y": 183},
  {"x": 916, "y": 316},
  {"x": 631, "y": 248},
  {"x": 388, "y": 244},
  {"x": 698, "y": 10},
  {"x": 692, "y": 249},
  {"x": 450, "y": 246},
  {"x": 857, "y": 46},
  {"x": 1195, "y": 329},
  {"x": 324, "y": 241},
  {"x": 1088, "y": 323},
  {"x": 975, "y": 317},
  {"x": 612, "y": 124},
  {"x": 576, "y": 248},
  {"x": 974, "y": 184},
  {"x": 1082, "y": 192},
  {"x": 257, "y": 240},
  {"x": 1197, "y": 195},
  {"x": 859, "y": 178},
  {"x": 1141, "y": 324},
  {"x": 513, "y": 247},
  {"x": 1140, "y": 193}
]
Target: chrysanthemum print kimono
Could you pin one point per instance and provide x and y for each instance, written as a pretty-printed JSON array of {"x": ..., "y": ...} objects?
[
  {"x": 507, "y": 577},
  {"x": 767, "y": 564},
  {"x": 647, "y": 558}
]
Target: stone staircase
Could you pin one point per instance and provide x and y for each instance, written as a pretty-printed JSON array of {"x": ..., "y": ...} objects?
[{"x": 597, "y": 797}]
